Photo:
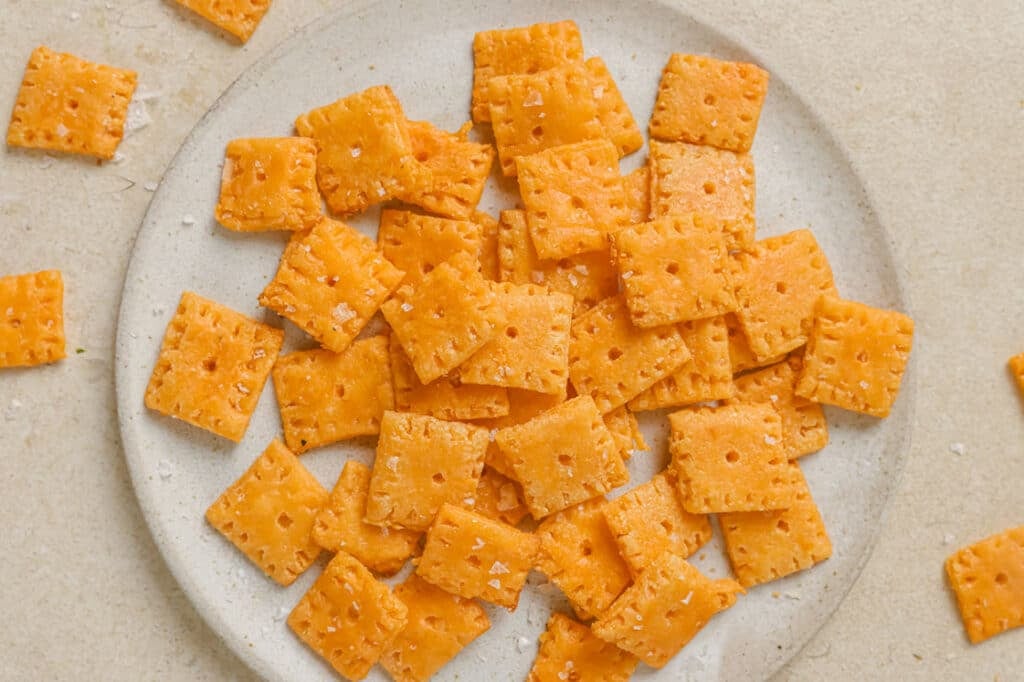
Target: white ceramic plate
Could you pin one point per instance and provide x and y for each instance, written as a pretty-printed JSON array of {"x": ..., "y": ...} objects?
[{"x": 423, "y": 50}]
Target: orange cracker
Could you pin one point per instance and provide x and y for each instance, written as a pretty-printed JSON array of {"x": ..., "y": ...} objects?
[
  {"x": 421, "y": 463},
  {"x": 740, "y": 355},
  {"x": 238, "y": 17},
  {"x": 612, "y": 110},
  {"x": 67, "y": 104},
  {"x": 522, "y": 407},
  {"x": 778, "y": 281},
  {"x": 212, "y": 366},
  {"x": 988, "y": 580},
  {"x": 531, "y": 352},
  {"x": 269, "y": 184},
  {"x": 534, "y": 112},
  {"x": 625, "y": 430},
  {"x": 339, "y": 527},
  {"x": 612, "y": 361},
  {"x": 574, "y": 197},
  {"x": 31, "y": 319},
  {"x": 731, "y": 458},
  {"x": 804, "y": 429},
  {"x": 706, "y": 376},
  {"x": 325, "y": 397},
  {"x": 707, "y": 101},
  {"x": 650, "y": 519},
  {"x": 490, "y": 267},
  {"x": 579, "y": 555},
  {"x": 330, "y": 282},
  {"x": 500, "y": 498},
  {"x": 670, "y": 602},
  {"x": 473, "y": 556},
  {"x": 1016, "y": 365},
  {"x": 637, "y": 186},
  {"x": 365, "y": 155},
  {"x": 674, "y": 269},
  {"x": 440, "y": 625},
  {"x": 570, "y": 651},
  {"x": 268, "y": 513},
  {"x": 527, "y": 49},
  {"x": 348, "y": 617},
  {"x": 856, "y": 356},
  {"x": 452, "y": 171},
  {"x": 765, "y": 546},
  {"x": 563, "y": 457},
  {"x": 690, "y": 179},
  {"x": 445, "y": 317},
  {"x": 445, "y": 398},
  {"x": 417, "y": 243},
  {"x": 587, "y": 277}
]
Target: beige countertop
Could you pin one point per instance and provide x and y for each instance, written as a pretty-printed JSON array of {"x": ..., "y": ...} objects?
[{"x": 928, "y": 100}]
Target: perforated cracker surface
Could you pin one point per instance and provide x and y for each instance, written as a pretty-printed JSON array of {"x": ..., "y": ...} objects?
[
  {"x": 612, "y": 110},
  {"x": 31, "y": 319},
  {"x": 452, "y": 171},
  {"x": 988, "y": 580},
  {"x": 416, "y": 244},
  {"x": 569, "y": 650}
]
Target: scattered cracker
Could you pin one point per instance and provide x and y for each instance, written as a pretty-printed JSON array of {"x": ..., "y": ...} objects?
[
  {"x": 238, "y": 17},
  {"x": 740, "y": 355},
  {"x": 31, "y": 319},
  {"x": 500, "y": 498},
  {"x": 1016, "y": 365},
  {"x": 625, "y": 430},
  {"x": 453, "y": 170},
  {"x": 522, "y": 407},
  {"x": 612, "y": 110},
  {"x": 416, "y": 244},
  {"x": 637, "y": 186},
  {"x": 988, "y": 580},
  {"x": 570, "y": 651}
]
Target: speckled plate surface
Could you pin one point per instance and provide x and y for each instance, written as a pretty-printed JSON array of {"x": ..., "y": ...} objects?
[{"x": 423, "y": 50}]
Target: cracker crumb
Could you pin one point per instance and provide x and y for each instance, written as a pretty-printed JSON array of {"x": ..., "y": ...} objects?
[
  {"x": 165, "y": 469},
  {"x": 281, "y": 613},
  {"x": 958, "y": 449},
  {"x": 948, "y": 539},
  {"x": 150, "y": 186},
  {"x": 522, "y": 644},
  {"x": 188, "y": 220},
  {"x": 138, "y": 116},
  {"x": 792, "y": 595},
  {"x": 12, "y": 409}
]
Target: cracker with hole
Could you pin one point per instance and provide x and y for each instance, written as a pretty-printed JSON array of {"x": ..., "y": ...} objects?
[
  {"x": 416, "y": 244},
  {"x": 339, "y": 526},
  {"x": 522, "y": 50},
  {"x": 709, "y": 102},
  {"x": 637, "y": 186},
  {"x": 330, "y": 282},
  {"x": 670, "y": 602},
  {"x": 32, "y": 319},
  {"x": 440, "y": 625},
  {"x": 364, "y": 151},
  {"x": 1016, "y": 366},
  {"x": 269, "y": 184},
  {"x": 625, "y": 430},
  {"x": 563, "y": 457},
  {"x": 778, "y": 282},
  {"x": 238, "y": 17},
  {"x": 522, "y": 407},
  {"x": 422, "y": 463},
  {"x": 569, "y": 650},
  {"x": 452, "y": 173},
  {"x": 740, "y": 355},
  {"x": 988, "y": 581},
  {"x": 612, "y": 110},
  {"x": 212, "y": 366},
  {"x": 268, "y": 513},
  {"x": 472, "y": 556},
  {"x": 500, "y": 498},
  {"x": 731, "y": 458},
  {"x": 612, "y": 361},
  {"x": 68, "y": 104},
  {"x": 348, "y": 617},
  {"x": 574, "y": 197}
]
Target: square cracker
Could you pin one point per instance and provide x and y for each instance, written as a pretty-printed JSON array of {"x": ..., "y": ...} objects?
[
  {"x": 452, "y": 171},
  {"x": 731, "y": 458},
  {"x": 500, "y": 498},
  {"x": 569, "y": 650},
  {"x": 670, "y": 602},
  {"x": 473, "y": 556},
  {"x": 578, "y": 554},
  {"x": 804, "y": 429},
  {"x": 674, "y": 269},
  {"x": 650, "y": 519},
  {"x": 706, "y": 376},
  {"x": 574, "y": 197},
  {"x": 70, "y": 105},
  {"x": 740, "y": 355},
  {"x": 531, "y": 352},
  {"x": 330, "y": 282},
  {"x": 348, "y": 617},
  {"x": 765, "y": 546},
  {"x": 269, "y": 184},
  {"x": 587, "y": 277},
  {"x": 440, "y": 625},
  {"x": 637, "y": 186},
  {"x": 445, "y": 398},
  {"x": 421, "y": 463},
  {"x": 1016, "y": 365},
  {"x": 365, "y": 155},
  {"x": 339, "y": 527},
  {"x": 612, "y": 361},
  {"x": 778, "y": 281},
  {"x": 325, "y": 397},
  {"x": 31, "y": 319},
  {"x": 612, "y": 110},
  {"x": 445, "y": 317},
  {"x": 522, "y": 407},
  {"x": 625, "y": 430},
  {"x": 416, "y": 244},
  {"x": 563, "y": 457},
  {"x": 706, "y": 101},
  {"x": 988, "y": 580},
  {"x": 238, "y": 17},
  {"x": 689, "y": 179},
  {"x": 856, "y": 356},
  {"x": 534, "y": 112},
  {"x": 212, "y": 366},
  {"x": 268, "y": 513},
  {"x": 527, "y": 49}
]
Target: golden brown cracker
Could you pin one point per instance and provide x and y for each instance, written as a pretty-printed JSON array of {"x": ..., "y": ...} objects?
[
  {"x": 238, "y": 17},
  {"x": 988, "y": 580},
  {"x": 569, "y": 650},
  {"x": 453, "y": 170},
  {"x": 31, "y": 319},
  {"x": 612, "y": 110}
]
